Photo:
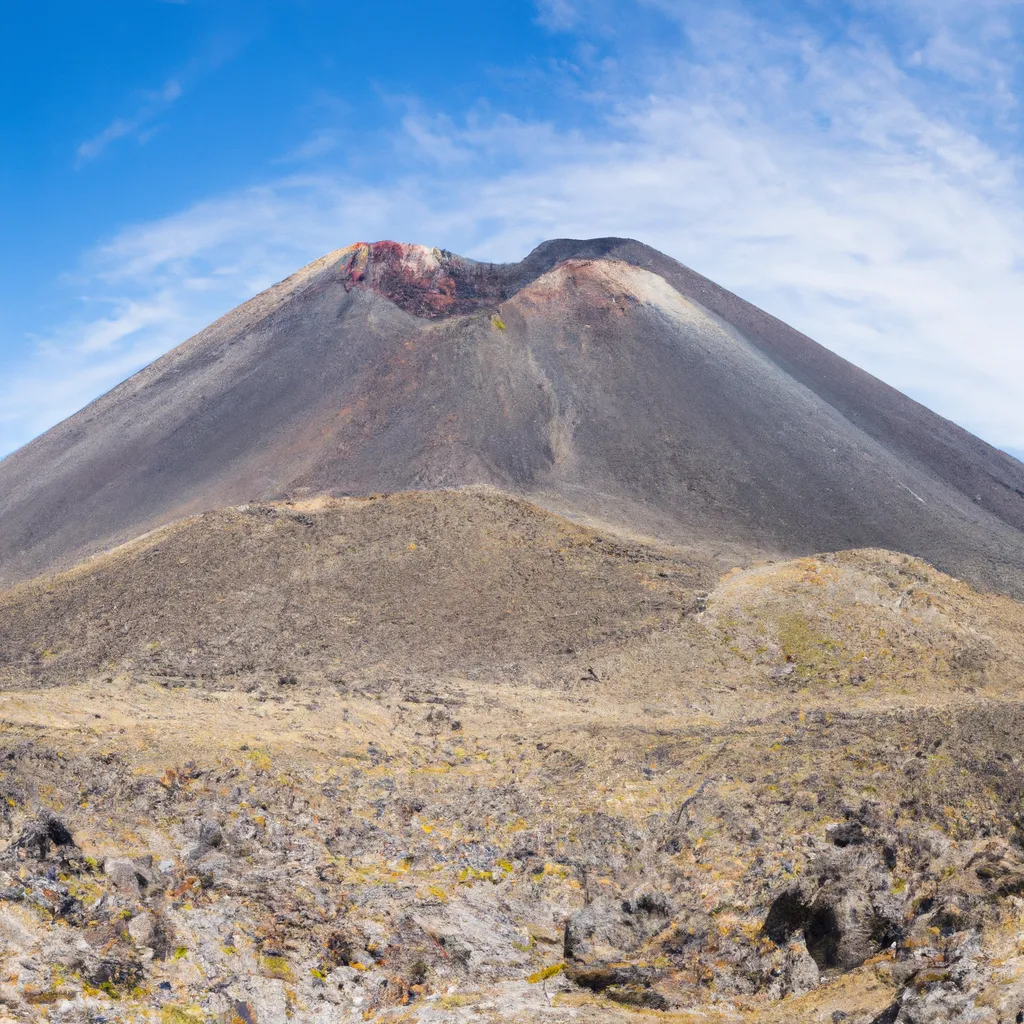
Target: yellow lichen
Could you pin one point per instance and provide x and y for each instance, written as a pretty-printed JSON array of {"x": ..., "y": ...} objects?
[
  {"x": 545, "y": 973},
  {"x": 277, "y": 967}
]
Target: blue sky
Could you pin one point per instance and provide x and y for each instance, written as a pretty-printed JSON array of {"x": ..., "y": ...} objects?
[{"x": 853, "y": 167}]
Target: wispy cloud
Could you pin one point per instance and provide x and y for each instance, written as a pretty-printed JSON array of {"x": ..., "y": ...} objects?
[
  {"x": 559, "y": 15},
  {"x": 806, "y": 170},
  {"x": 150, "y": 105},
  {"x": 153, "y": 105},
  {"x": 81, "y": 360},
  {"x": 319, "y": 144}
]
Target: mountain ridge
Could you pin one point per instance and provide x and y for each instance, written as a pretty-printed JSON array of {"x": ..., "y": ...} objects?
[{"x": 571, "y": 377}]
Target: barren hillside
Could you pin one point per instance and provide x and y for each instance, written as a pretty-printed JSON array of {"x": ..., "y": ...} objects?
[{"x": 427, "y": 581}]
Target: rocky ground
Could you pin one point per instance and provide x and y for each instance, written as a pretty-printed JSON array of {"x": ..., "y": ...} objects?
[{"x": 794, "y": 795}]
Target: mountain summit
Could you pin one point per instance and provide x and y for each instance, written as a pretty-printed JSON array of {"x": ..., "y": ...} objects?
[{"x": 600, "y": 378}]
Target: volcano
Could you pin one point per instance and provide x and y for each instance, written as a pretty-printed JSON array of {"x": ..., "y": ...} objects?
[
  {"x": 436, "y": 640},
  {"x": 601, "y": 379}
]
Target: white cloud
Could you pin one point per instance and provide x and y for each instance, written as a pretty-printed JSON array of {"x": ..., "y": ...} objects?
[
  {"x": 171, "y": 90},
  {"x": 813, "y": 178},
  {"x": 154, "y": 104},
  {"x": 117, "y": 129},
  {"x": 557, "y": 14},
  {"x": 74, "y": 366},
  {"x": 317, "y": 145}
]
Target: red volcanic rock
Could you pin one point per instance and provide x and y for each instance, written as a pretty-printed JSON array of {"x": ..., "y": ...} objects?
[{"x": 424, "y": 282}]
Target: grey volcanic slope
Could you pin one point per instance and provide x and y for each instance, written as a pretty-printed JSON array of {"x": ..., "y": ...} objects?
[{"x": 596, "y": 376}]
